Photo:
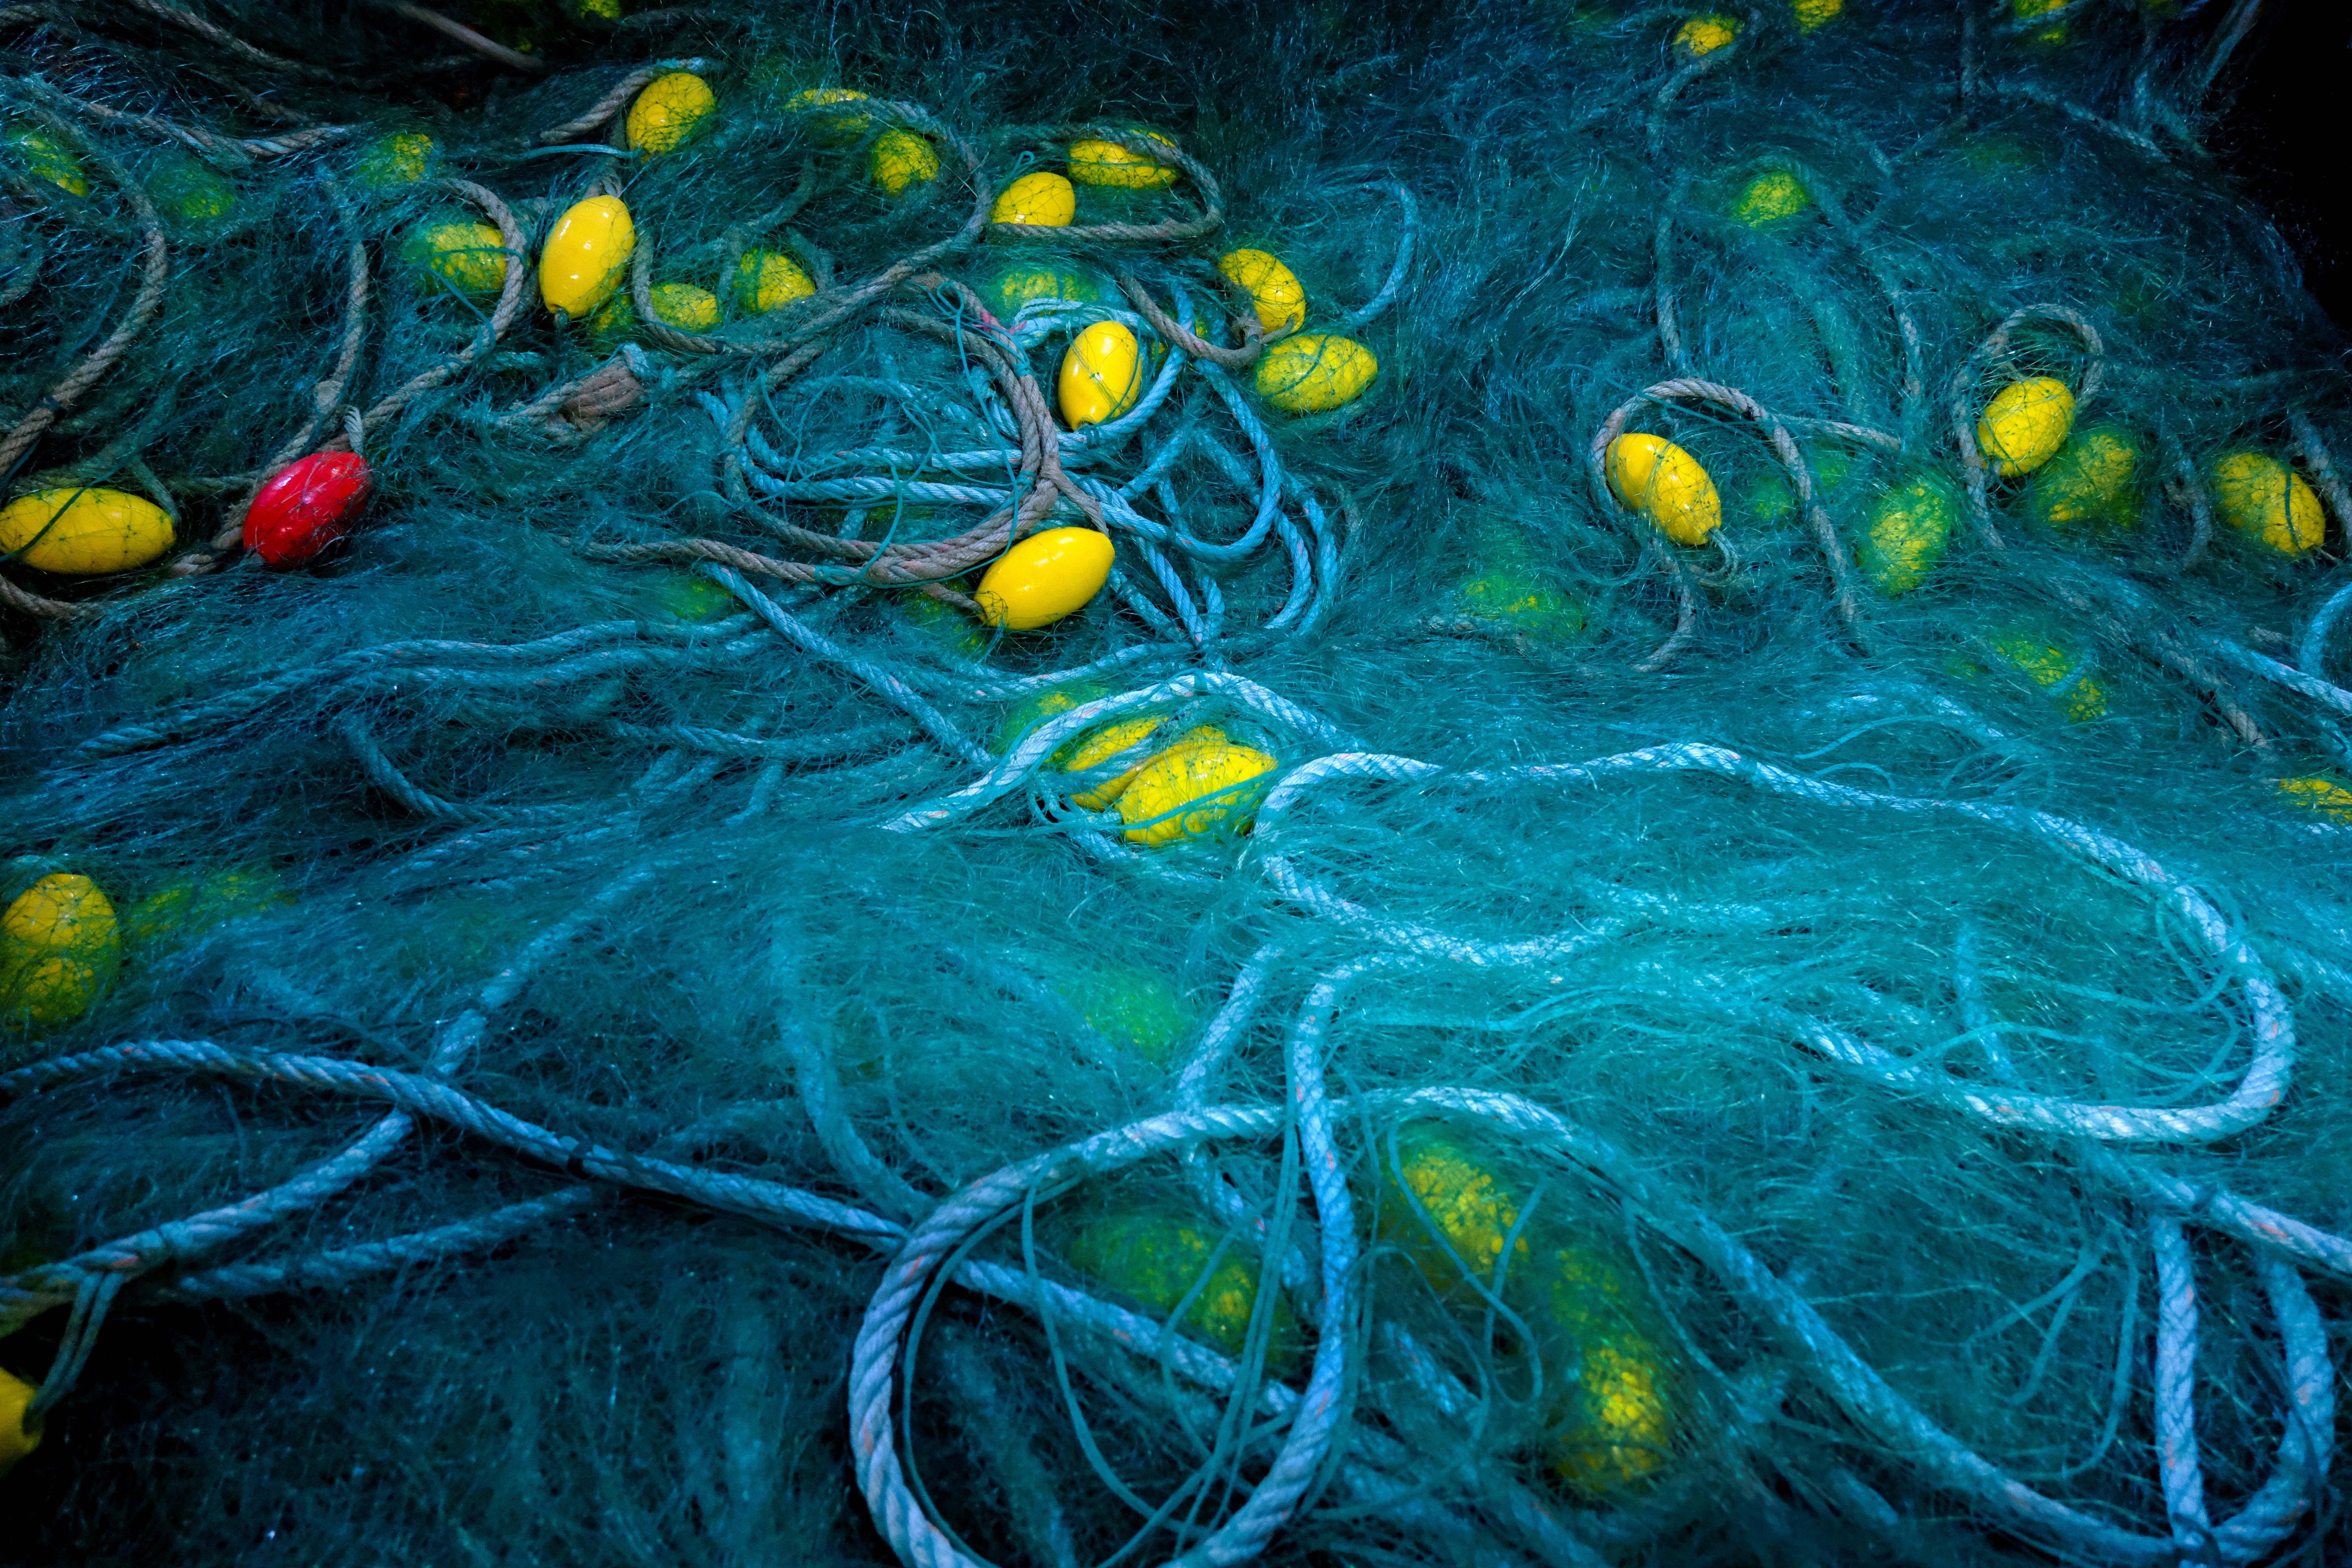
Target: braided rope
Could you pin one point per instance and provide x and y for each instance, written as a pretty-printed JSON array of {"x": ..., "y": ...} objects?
[{"x": 2259, "y": 1091}]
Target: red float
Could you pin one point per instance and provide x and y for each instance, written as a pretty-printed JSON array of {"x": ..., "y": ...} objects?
[{"x": 306, "y": 506}]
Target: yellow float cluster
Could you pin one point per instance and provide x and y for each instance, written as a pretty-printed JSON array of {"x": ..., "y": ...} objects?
[{"x": 1460, "y": 1223}]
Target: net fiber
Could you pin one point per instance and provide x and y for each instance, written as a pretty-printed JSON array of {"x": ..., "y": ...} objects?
[{"x": 1755, "y": 971}]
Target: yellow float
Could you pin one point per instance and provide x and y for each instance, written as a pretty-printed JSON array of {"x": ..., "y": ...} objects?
[
  {"x": 1045, "y": 577},
  {"x": 1769, "y": 197},
  {"x": 668, "y": 112},
  {"x": 396, "y": 160},
  {"x": 1023, "y": 282},
  {"x": 830, "y": 129},
  {"x": 1161, "y": 1262},
  {"x": 1036, "y": 709},
  {"x": 182, "y": 911},
  {"x": 1273, "y": 289},
  {"x": 1652, "y": 476},
  {"x": 1315, "y": 372},
  {"x": 1041, "y": 197},
  {"x": 1101, "y": 375},
  {"x": 1703, "y": 36},
  {"x": 2092, "y": 483},
  {"x": 472, "y": 257},
  {"x": 191, "y": 193},
  {"x": 768, "y": 281},
  {"x": 686, "y": 306},
  {"x": 2269, "y": 502},
  {"x": 2068, "y": 679},
  {"x": 47, "y": 158},
  {"x": 1448, "y": 1212},
  {"x": 900, "y": 158},
  {"x": 1189, "y": 791},
  {"x": 16, "y": 1439},
  {"x": 1614, "y": 1427},
  {"x": 2025, "y": 425},
  {"x": 1520, "y": 605},
  {"x": 587, "y": 255},
  {"x": 1109, "y": 742},
  {"x": 59, "y": 943},
  {"x": 1142, "y": 1011},
  {"x": 84, "y": 532},
  {"x": 2026, "y": 10},
  {"x": 1908, "y": 532},
  {"x": 1811, "y": 14},
  {"x": 2321, "y": 794},
  {"x": 1098, "y": 163}
]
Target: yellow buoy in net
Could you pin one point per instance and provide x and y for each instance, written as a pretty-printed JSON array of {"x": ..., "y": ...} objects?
[
  {"x": 831, "y": 129},
  {"x": 1109, "y": 742},
  {"x": 46, "y": 157},
  {"x": 1036, "y": 709},
  {"x": 16, "y": 1439},
  {"x": 2318, "y": 792},
  {"x": 1519, "y": 604},
  {"x": 1652, "y": 476},
  {"x": 768, "y": 281},
  {"x": 1449, "y": 1211},
  {"x": 1315, "y": 372},
  {"x": 182, "y": 911},
  {"x": 1908, "y": 532},
  {"x": 2068, "y": 680},
  {"x": 1704, "y": 34},
  {"x": 1045, "y": 577},
  {"x": 1191, "y": 790},
  {"x": 2025, "y": 425},
  {"x": 84, "y": 532},
  {"x": 1101, "y": 376},
  {"x": 669, "y": 111},
  {"x": 191, "y": 194},
  {"x": 1041, "y": 197},
  {"x": 1161, "y": 1262},
  {"x": 1770, "y": 197},
  {"x": 1811, "y": 14},
  {"x": 900, "y": 158},
  {"x": 1097, "y": 163},
  {"x": 1280, "y": 298},
  {"x": 1024, "y": 282},
  {"x": 396, "y": 160},
  {"x": 2269, "y": 502},
  {"x": 1614, "y": 1427},
  {"x": 1140, "y": 1010},
  {"x": 2092, "y": 483},
  {"x": 60, "y": 942},
  {"x": 686, "y": 306},
  {"x": 472, "y": 257},
  {"x": 585, "y": 257},
  {"x": 2026, "y": 10}
]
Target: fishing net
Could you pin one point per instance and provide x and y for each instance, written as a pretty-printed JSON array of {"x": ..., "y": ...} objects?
[{"x": 1678, "y": 895}]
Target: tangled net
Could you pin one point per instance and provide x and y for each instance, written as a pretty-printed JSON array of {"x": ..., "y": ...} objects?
[{"x": 1792, "y": 1015}]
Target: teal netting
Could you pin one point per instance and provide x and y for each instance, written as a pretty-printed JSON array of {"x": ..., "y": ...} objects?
[{"x": 1705, "y": 923}]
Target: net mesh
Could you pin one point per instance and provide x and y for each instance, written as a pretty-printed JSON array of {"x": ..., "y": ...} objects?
[{"x": 1771, "y": 999}]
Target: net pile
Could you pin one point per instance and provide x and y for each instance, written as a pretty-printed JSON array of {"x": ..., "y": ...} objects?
[{"x": 1682, "y": 901}]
